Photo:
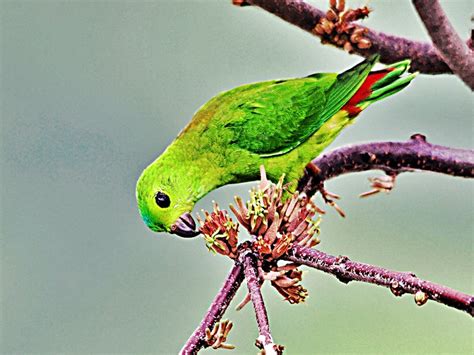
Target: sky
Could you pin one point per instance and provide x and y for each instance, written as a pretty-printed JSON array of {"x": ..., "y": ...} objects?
[{"x": 93, "y": 91}]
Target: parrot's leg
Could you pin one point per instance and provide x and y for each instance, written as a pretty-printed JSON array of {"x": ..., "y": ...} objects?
[{"x": 327, "y": 196}]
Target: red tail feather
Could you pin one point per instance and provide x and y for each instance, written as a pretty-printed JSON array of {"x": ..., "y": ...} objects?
[{"x": 364, "y": 91}]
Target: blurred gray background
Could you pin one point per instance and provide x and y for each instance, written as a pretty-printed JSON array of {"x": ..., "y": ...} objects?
[{"x": 91, "y": 92}]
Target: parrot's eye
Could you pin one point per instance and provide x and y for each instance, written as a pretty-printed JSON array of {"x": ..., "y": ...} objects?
[{"x": 162, "y": 199}]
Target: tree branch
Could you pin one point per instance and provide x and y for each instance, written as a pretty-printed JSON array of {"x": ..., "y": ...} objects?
[
  {"x": 392, "y": 157},
  {"x": 424, "y": 57},
  {"x": 292, "y": 238},
  {"x": 232, "y": 283},
  {"x": 264, "y": 340},
  {"x": 398, "y": 282},
  {"x": 451, "y": 48}
]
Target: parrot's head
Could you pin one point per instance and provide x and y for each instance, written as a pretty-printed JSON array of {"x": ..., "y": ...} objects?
[{"x": 165, "y": 200}]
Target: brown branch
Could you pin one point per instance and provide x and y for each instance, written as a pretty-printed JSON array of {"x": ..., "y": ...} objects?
[
  {"x": 293, "y": 238},
  {"x": 450, "y": 46},
  {"x": 424, "y": 56},
  {"x": 398, "y": 282},
  {"x": 392, "y": 157},
  {"x": 232, "y": 283},
  {"x": 264, "y": 340}
]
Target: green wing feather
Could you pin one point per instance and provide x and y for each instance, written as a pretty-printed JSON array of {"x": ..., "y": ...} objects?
[{"x": 274, "y": 117}]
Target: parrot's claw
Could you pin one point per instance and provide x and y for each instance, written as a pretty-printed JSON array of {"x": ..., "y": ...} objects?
[
  {"x": 380, "y": 184},
  {"x": 217, "y": 337},
  {"x": 329, "y": 194},
  {"x": 329, "y": 198}
]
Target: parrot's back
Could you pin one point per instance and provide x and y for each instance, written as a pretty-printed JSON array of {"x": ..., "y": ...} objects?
[{"x": 283, "y": 124}]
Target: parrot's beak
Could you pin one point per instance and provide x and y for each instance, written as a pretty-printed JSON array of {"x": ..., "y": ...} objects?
[{"x": 185, "y": 226}]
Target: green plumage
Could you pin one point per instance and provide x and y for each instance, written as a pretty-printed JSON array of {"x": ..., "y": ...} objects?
[{"x": 282, "y": 124}]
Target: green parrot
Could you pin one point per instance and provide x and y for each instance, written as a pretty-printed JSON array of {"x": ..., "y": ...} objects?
[{"x": 281, "y": 124}]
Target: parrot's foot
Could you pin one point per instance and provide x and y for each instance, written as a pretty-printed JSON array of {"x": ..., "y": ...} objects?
[
  {"x": 384, "y": 183},
  {"x": 329, "y": 198},
  {"x": 218, "y": 336}
]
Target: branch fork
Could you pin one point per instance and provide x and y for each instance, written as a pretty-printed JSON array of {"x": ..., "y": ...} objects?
[
  {"x": 284, "y": 236},
  {"x": 446, "y": 55}
]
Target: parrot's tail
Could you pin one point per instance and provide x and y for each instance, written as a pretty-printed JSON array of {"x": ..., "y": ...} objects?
[{"x": 378, "y": 85}]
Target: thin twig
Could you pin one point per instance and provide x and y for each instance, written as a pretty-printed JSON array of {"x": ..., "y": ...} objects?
[
  {"x": 450, "y": 46},
  {"x": 399, "y": 282},
  {"x": 392, "y": 157},
  {"x": 253, "y": 283},
  {"x": 232, "y": 283},
  {"x": 424, "y": 56}
]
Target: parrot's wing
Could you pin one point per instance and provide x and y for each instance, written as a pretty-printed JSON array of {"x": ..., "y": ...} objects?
[{"x": 275, "y": 117}]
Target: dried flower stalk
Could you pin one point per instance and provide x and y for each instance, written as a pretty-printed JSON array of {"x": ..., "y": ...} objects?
[{"x": 337, "y": 27}]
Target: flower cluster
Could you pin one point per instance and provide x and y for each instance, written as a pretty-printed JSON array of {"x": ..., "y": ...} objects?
[
  {"x": 220, "y": 232},
  {"x": 286, "y": 283},
  {"x": 277, "y": 219},
  {"x": 338, "y": 27}
]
